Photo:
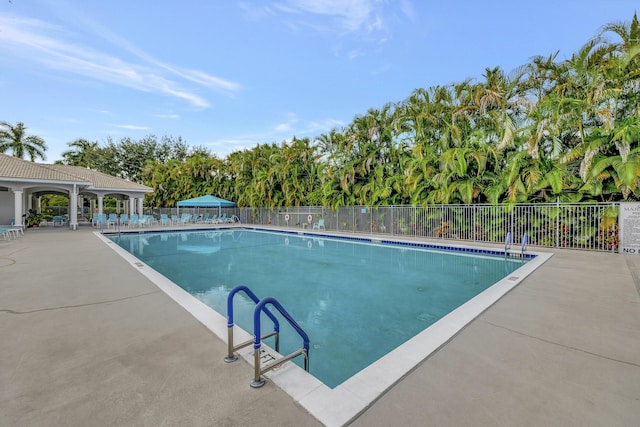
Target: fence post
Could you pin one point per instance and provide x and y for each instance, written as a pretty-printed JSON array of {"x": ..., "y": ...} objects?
[
  {"x": 511, "y": 224},
  {"x": 393, "y": 208},
  {"x": 474, "y": 225},
  {"x": 353, "y": 222},
  {"x": 557, "y": 222}
]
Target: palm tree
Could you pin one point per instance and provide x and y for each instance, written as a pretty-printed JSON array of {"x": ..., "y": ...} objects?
[
  {"x": 82, "y": 153},
  {"x": 14, "y": 138},
  {"x": 500, "y": 105}
]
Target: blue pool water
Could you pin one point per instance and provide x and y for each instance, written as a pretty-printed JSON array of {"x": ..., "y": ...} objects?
[{"x": 357, "y": 301}]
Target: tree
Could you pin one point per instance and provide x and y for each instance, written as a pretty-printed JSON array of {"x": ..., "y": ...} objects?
[
  {"x": 14, "y": 138},
  {"x": 551, "y": 129},
  {"x": 83, "y": 153}
]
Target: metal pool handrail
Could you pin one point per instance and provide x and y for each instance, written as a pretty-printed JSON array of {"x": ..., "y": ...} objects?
[
  {"x": 507, "y": 242},
  {"x": 524, "y": 242},
  {"x": 258, "y": 381},
  {"x": 231, "y": 357}
]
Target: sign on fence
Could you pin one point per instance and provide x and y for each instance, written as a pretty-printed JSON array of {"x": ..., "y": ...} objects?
[{"x": 629, "y": 225}]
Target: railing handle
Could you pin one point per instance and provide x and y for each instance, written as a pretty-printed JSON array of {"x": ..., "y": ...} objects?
[
  {"x": 258, "y": 381},
  {"x": 507, "y": 242},
  {"x": 230, "y": 348}
]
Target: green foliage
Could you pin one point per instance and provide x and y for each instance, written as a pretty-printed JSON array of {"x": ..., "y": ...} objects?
[
  {"x": 126, "y": 158},
  {"x": 54, "y": 200},
  {"x": 551, "y": 129},
  {"x": 14, "y": 138}
]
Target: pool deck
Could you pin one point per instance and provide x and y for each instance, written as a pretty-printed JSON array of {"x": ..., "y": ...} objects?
[{"x": 86, "y": 340}]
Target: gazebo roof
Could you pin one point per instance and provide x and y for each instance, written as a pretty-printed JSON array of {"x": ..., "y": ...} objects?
[{"x": 15, "y": 169}]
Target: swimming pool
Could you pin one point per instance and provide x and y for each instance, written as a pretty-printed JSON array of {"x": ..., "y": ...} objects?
[
  {"x": 339, "y": 405},
  {"x": 356, "y": 299}
]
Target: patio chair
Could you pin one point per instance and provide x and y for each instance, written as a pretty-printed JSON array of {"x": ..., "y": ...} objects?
[
  {"x": 9, "y": 233},
  {"x": 112, "y": 219},
  {"x": 164, "y": 219},
  {"x": 318, "y": 225},
  {"x": 124, "y": 219},
  {"x": 59, "y": 220},
  {"x": 175, "y": 219},
  {"x": 98, "y": 220},
  {"x": 134, "y": 220}
]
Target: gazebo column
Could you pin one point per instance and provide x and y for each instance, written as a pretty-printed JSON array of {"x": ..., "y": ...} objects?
[
  {"x": 132, "y": 206},
  {"x": 17, "y": 208},
  {"x": 100, "y": 200},
  {"x": 73, "y": 208},
  {"x": 80, "y": 205},
  {"x": 140, "y": 202}
]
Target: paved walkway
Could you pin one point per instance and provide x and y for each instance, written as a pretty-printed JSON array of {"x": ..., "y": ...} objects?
[{"x": 85, "y": 340}]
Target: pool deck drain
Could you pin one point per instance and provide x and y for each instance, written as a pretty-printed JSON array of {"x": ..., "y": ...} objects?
[{"x": 562, "y": 348}]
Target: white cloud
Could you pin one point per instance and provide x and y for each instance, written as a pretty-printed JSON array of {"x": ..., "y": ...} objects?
[
  {"x": 283, "y": 127},
  {"x": 38, "y": 41},
  {"x": 355, "y": 53},
  {"x": 279, "y": 133},
  {"x": 349, "y": 15},
  {"x": 255, "y": 13},
  {"x": 407, "y": 8},
  {"x": 133, "y": 127},
  {"x": 288, "y": 125}
]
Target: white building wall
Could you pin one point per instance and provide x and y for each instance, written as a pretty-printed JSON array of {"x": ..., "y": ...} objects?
[{"x": 6, "y": 207}]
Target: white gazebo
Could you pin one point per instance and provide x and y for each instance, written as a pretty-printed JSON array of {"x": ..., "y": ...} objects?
[{"x": 23, "y": 182}]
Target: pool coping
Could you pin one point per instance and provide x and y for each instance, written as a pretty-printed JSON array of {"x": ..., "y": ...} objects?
[{"x": 348, "y": 400}]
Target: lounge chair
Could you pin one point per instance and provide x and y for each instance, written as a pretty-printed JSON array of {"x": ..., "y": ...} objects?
[
  {"x": 112, "y": 220},
  {"x": 134, "y": 221},
  {"x": 151, "y": 220},
  {"x": 124, "y": 219},
  {"x": 9, "y": 233},
  {"x": 318, "y": 225},
  {"x": 59, "y": 220},
  {"x": 164, "y": 219},
  {"x": 99, "y": 220}
]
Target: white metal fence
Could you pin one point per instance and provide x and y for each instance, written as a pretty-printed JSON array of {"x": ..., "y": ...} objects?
[{"x": 560, "y": 225}]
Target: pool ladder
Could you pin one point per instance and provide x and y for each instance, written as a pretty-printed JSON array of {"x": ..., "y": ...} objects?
[
  {"x": 261, "y": 306},
  {"x": 508, "y": 241}
]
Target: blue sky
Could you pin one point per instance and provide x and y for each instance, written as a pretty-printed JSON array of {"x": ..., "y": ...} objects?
[{"x": 231, "y": 74}]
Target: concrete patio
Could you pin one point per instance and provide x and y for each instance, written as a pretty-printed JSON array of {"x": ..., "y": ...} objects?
[{"x": 86, "y": 340}]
